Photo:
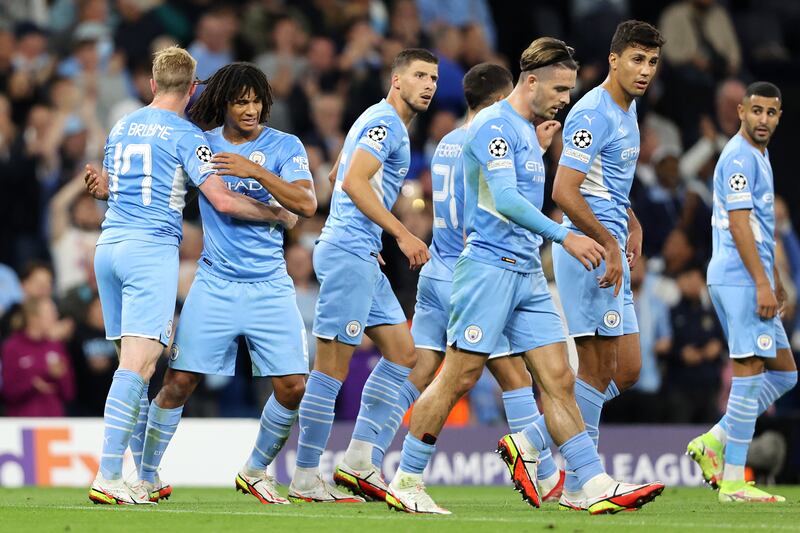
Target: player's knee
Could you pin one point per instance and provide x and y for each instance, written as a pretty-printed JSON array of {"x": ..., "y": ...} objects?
[
  {"x": 627, "y": 377},
  {"x": 466, "y": 381},
  {"x": 177, "y": 388},
  {"x": 289, "y": 394}
]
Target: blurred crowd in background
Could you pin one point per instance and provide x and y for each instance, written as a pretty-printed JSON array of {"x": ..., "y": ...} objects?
[{"x": 69, "y": 69}]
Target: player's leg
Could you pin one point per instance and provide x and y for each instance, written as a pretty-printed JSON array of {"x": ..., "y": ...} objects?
[
  {"x": 751, "y": 341},
  {"x": 346, "y": 291},
  {"x": 474, "y": 330},
  {"x": 276, "y": 337},
  {"x": 429, "y": 331},
  {"x": 428, "y": 361},
  {"x": 146, "y": 276},
  {"x": 459, "y": 373},
  {"x": 536, "y": 329},
  {"x": 386, "y": 326},
  {"x": 205, "y": 343},
  {"x": 521, "y": 410}
]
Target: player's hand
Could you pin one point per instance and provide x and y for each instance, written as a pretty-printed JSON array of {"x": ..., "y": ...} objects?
[
  {"x": 414, "y": 249},
  {"x": 228, "y": 164},
  {"x": 766, "y": 302},
  {"x": 613, "y": 274},
  {"x": 633, "y": 249},
  {"x": 287, "y": 219},
  {"x": 95, "y": 184},
  {"x": 546, "y": 131},
  {"x": 584, "y": 249}
]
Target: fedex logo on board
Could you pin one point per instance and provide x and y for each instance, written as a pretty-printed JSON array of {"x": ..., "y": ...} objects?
[{"x": 39, "y": 454}]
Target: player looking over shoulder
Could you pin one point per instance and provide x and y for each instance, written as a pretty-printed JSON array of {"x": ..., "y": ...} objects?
[
  {"x": 355, "y": 297},
  {"x": 748, "y": 295},
  {"x": 592, "y": 185}
]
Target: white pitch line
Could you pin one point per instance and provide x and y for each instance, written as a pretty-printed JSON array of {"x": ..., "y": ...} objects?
[{"x": 599, "y": 522}]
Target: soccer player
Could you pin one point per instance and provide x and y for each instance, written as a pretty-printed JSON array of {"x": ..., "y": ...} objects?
[
  {"x": 593, "y": 181},
  {"x": 484, "y": 85},
  {"x": 355, "y": 297},
  {"x": 149, "y": 156},
  {"x": 242, "y": 287},
  {"x": 499, "y": 289},
  {"x": 748, "y": 296}
]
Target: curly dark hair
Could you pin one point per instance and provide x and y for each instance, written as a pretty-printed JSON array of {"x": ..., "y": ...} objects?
[{"x": 227, "y": 85}]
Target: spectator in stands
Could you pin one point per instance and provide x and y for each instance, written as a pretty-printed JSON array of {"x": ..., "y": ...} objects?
[
  {"x": 36, "y": 371},
  {"x": 94, "y": 360},
  {"x": 659, "y": 206},
  {"x": 75, "y": 220},
  {"x": 694, "y": 365}
]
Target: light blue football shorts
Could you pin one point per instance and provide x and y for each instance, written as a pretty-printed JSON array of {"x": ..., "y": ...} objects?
[
  {"x": 217, "y": 311},
  {"x": 489, "y": 302},
  {"x": 138, "y": 284},
  {"x": 432, "y": 313},
  {"x": 747, "y": 333},
  {"x": 354, "y": 294},
  {"x": 590, "y": 310}
]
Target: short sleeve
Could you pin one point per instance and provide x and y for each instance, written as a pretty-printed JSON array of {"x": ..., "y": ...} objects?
[
  {"x": 738, "y": 173},
  {"x": 295, "y": 161},
  {"x": 492, "y": 145},
  {"x": 584, "y": 136},
  {"x": 195, "y": 155},
  {"x": 381, "y": 136}
]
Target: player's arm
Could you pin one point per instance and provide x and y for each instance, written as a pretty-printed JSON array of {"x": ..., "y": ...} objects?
[
  {"x": 296, "y": 196},
  {"x": 745, "y": 241},
  {"x": 361, "y": 168},
  {"x": 633, "y": 248},
  {"x": 241, "y": 206},
  {"x": 512, "y": 205}
]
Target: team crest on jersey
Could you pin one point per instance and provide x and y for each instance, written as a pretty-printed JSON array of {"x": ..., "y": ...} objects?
[
  {"x": 257, "y": 157},
  {"x": 174, "y": 351},
  {"x": 582, "y": 139},
  {"x": 473, "y": 334},
  {"x": 168, "y": 329},
  {"x": 498, "y": 147},
  {"x": 737, "y": 182},
  {"x": 353, "y": 328},
  {"x": 204, "y": 153},
  {"x": 611, "y": 319},
  {"x": 764, "y": 342},
  {"x": 377, "y": 134}
]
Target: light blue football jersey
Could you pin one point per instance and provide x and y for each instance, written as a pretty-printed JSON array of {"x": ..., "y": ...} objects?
[
  {"x": 379, "y": 131},
  {"x": 239, "y": 250},
  {"x": 149, "y": 156},
  {"x": 742, "y": 180},
  {"x": 447, "y": 180},
  {"x": 501, "y": 145},
  {"x": 602, "y": 141}
]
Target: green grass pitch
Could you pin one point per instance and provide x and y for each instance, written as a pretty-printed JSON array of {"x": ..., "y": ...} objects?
[{"x": 495, "y": 509}]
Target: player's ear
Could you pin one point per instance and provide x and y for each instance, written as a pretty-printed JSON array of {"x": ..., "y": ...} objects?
[
  {"x": 740, "y": 111},
  {"x": 531, "y": 80},
  {"x": 192, "y": 89},
  {"x": 153, "y": 86},
  {"x": 612, "y": 60}
]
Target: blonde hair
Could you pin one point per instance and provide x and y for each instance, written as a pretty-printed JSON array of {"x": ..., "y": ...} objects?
[
  {"x": 546, "y": 51},
  {"x": 173, "y": 70}
]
